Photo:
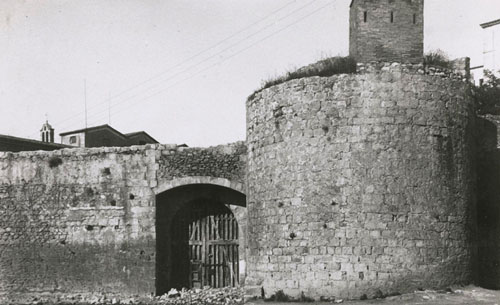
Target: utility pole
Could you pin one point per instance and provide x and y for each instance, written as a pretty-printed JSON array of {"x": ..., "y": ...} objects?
[
  {"x": 85, "y": 97},
  {"x": 109, "y": 108}
]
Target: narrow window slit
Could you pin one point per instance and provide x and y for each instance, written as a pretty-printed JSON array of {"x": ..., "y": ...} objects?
[
  {"x": 365, "y": 16},
  {"x": 392, "y": 17}
]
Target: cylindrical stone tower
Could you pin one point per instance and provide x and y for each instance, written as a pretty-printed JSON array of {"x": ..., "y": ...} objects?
[{"x": 361, "y": 184}]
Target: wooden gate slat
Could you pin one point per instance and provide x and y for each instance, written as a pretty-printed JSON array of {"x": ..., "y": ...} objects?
[{"x": 213, "y": 252}]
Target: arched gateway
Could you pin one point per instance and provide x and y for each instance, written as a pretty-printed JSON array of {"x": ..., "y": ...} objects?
[{"x": 199, "y": 236}]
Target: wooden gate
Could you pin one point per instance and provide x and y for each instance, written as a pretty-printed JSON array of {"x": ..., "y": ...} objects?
[{"x": 212, "y": 245}]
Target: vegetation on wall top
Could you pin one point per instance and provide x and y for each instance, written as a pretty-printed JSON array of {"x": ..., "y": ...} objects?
[
  {"x": 325, "y": 67},
  {"x": 438, "y": 58},
  {"x": 486, "y": 95}
]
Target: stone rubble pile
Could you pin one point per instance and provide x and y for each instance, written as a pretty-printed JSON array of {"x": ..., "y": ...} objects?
[{"x": 205, "y": 296}]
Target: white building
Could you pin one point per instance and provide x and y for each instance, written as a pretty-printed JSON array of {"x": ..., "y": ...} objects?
[{"x": 491, "y": 50}]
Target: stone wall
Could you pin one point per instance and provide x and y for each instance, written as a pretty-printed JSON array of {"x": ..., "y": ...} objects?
[
  {"x": 225, "y": 161},
  {"x": 489, "y": 220},
  {"x": 380, "y": 39},
  {"x": 488, "y": 211},
  {"x": 492, "y": 133},
  {"x": 83, "y": 220},
  {"x": 359, "y": 183}
]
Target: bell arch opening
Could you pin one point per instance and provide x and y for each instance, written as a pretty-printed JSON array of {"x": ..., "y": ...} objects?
[{"x": 200, "y": 237}]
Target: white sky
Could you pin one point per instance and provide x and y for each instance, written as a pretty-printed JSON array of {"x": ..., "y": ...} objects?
[{"x": 179, "y": 69}]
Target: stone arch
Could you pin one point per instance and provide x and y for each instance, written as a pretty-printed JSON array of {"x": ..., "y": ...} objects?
[
  {"x": 172, "y": 196},
  {"x": 170, "y": 184}
]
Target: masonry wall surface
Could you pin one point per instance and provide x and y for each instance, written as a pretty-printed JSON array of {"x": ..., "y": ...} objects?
[
  {"x": 83, "y": 220},
  {"x": 380, "y": 39},
  {"x": 359, "y": 183},
  {"x": 488, "y": 211},
  {"x": 489, "y": 220}
]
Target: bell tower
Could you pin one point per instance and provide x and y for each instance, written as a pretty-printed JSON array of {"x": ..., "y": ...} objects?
[
  {"x": 47, "y": 133},
  {"x": 387, "y": 30}
]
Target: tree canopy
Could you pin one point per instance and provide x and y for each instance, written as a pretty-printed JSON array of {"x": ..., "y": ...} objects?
[{"x": 487, "y": 94}]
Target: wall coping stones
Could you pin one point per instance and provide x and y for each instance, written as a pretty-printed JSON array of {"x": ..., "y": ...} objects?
[
  {"x": 375, "y": 67},
  {"x": 78, "y": 151},
  {"x": 420, "y": 68}
]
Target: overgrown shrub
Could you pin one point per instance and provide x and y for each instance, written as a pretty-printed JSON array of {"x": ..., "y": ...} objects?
[
  {"x": 305, "y": 299},
  {"x": 438, "y": 58},
  {"x": 325, "y": 67},
  {"x": 379, "y": 294},
  {"x": 487, "y": 95},
  {"x": 279, "y": 296}
]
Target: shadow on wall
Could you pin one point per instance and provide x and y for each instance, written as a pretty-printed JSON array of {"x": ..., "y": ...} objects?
[{"x": 488, "y": 209}]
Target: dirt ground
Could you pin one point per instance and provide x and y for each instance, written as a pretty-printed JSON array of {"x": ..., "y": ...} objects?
[
  {"x": 466, "y": 296},
  {"x": 457, "y": 296}
]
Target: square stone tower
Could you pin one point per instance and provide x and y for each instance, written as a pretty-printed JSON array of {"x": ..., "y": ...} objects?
[{"x": 387, "y": 30}]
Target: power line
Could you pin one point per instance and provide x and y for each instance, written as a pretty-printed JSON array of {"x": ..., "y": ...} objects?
[
  {"x": 212, "y": 56},
  {"x": 205, "y": 50},
  {"x": 188, "y": 59},
  {"x": 233, "y": 55},
  {"x": 215, "y": 55}
]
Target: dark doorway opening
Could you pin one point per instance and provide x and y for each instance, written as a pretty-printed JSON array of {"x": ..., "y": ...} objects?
[{"x": 197, "y": 237}]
